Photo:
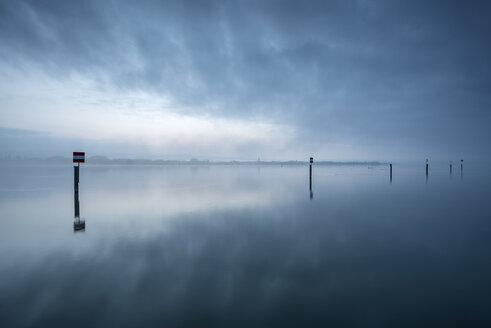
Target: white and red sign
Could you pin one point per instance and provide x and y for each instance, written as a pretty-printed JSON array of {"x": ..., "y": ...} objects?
[
  {"x": 311, "y": 160},
  {"x": 78, "y": 157}
]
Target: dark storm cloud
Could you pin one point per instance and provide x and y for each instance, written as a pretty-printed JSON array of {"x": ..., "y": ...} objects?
[{"x": 363, "y": 71}]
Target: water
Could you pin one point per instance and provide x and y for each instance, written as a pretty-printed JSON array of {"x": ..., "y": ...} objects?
[{"x": 245, "y": 246}]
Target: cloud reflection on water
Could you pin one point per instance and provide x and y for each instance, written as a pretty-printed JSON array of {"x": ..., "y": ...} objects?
[{"x": 394, "y": 256}]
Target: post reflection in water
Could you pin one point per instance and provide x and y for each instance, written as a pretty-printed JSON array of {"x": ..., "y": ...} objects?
[
  {"x": 310, "y": 183},
  {"x": 461, "y": 169},
  {"x": 229, "y": 248},
  {"x": 78, "y": 225}
]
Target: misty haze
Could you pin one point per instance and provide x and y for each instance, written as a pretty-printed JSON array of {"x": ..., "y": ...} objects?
[{"x": 245, "y": 163}]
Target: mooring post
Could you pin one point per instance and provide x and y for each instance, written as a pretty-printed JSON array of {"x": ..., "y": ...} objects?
[
  {"x": 390, "y": 165},
  {"x": 76, "y": 170},
  {"x": 450, "y": 167},
  {"x": 461, "y": 168},
  {"x": 78, "y": 157},
  {"x": 310, "y": 177},
  {"x": 76, "y": 203}
]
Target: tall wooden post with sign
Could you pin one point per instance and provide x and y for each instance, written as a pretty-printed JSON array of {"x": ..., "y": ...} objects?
[
  {"x": 78, "y": 157},
  {"x": 310, "y": 178}
]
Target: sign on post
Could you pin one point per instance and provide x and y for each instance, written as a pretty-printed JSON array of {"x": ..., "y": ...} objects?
[
  {"x": 311, "y": 160},
  {"x": 78, "y": 157}
]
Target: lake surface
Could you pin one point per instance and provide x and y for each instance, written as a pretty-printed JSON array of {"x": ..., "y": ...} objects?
[{"x": 245, "y": 246}]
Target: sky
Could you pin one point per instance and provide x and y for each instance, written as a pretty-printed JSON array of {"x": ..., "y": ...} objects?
[{"x": 380, "y": 80}]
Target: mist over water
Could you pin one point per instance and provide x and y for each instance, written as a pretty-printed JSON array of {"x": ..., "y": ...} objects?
[{"x": 245, "y": 246}]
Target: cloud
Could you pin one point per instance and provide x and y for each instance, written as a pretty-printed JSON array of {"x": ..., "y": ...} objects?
[{"x": 361, "y": 73}]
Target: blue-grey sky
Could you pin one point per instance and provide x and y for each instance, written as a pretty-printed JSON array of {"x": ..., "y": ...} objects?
[{"x": 341, "y": 80}]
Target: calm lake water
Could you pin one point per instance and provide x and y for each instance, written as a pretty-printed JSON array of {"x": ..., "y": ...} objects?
[{"x": 245, "y": 246}]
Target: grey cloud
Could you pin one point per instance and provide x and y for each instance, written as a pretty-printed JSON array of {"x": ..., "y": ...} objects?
[{"x": 348, "y": 70}]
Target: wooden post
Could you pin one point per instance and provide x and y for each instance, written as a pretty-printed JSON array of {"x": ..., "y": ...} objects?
[
  {"x": 390, "y": 165},
  {"x": 78, "y": 157},
  {"x": 450, "y": 167},
  {"x": 310, "y": 177},
  {"x": 461, "y": 168},
  {"x": 311, "y": 162},
  {"x": 76, "y": 203},
  {"x": 76, "y": 170}
]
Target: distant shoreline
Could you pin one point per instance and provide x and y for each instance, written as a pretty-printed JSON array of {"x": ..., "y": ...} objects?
[{"x": 102, "y": 160}]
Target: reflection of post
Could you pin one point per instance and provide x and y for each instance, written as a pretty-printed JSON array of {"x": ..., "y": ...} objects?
[
  {"x": 78, "y": 225},
  {"x": 310, "y": 178},
  {"x": 427, "y": 170},
  {"x": 461, "y": 168},
  {"x": 450, "y": 167},
  {"x": 390, "y": 172},
  {"x": 310, "y": 185}
]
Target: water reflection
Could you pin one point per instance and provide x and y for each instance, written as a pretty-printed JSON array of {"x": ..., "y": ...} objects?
[
  {"x": 229, "y": 248},
  {"x": 427, "y": 171},
  {"x": 310, "y": 184},
  {"x": 78, "y": 224}
]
